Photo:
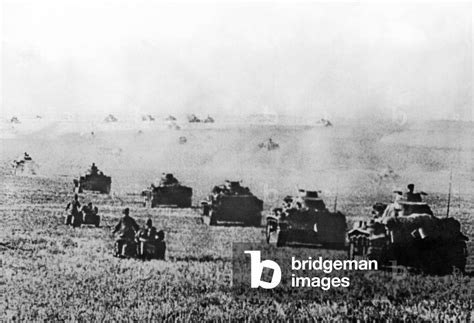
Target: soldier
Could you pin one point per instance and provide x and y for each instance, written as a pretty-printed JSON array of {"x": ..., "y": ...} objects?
[
  {"x": 94, "y": 169},
  {"x": 89, "y": 210},
  {"x": 168, "y": 179},
  {"x": 398, "y": 196},
  {"x": 160, "y": 245},
  {"x": 394, "y": 208},
  {"x": 75, "y": 206},
  {"x": 147, "y": 238},
  {"x": 150, "y": 230},
  {"x": 411, "y": 196},
  {"x": 127, "y": 228}
]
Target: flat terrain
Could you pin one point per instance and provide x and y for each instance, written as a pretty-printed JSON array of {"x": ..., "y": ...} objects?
[{"x": 55, "y": 272}]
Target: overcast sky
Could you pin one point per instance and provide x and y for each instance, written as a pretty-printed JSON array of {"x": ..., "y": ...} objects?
[{"x": 343, "y": 59}]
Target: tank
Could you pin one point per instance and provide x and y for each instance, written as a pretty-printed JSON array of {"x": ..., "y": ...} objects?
[
  {"x": 325, "y": 122},
  {"x": 305, "y": 220},
  {"x": 268, "y": 145},
  {"x": 193, "y": 119},
  {"x": 410, "y": 236},
  {"x": 169, "y": 192},
  {"x": 94, "y": 180},
  {"x": 24, "y": 165},
  {"x": 148, "y": 117},
  {"x": 232, "y": 203},
  {"x": 110, "y": 118},
  {"x": 209, "y": 119}
]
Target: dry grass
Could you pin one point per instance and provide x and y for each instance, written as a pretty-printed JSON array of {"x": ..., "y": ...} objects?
[{"x": 53, "y": 272}]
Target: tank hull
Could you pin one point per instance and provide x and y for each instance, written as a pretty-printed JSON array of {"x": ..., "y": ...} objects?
[
  {"x": 309, "y": 227},
  {"x": 419, "y": 241},
  {"x": 235, "y": 209},
  {"x": 99, "y": 183},
  {"x": 176, "y": 195}
]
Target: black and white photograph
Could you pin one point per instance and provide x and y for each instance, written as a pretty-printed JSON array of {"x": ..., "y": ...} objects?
[{"x": 249, "y": 161}]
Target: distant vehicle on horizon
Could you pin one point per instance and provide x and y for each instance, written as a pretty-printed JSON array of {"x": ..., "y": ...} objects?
[
  {"x": 209, "y": 119},
  {"x": 110, "y": 118},
  {"x": 193, "y": 119},
  {"x": 268, "y": 145},
  {"x": 148, "y": 117},
  {"x": 15, "y": 120},
  {"x": 325, "y": 122}
]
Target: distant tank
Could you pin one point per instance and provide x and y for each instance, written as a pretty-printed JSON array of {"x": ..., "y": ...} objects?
[
  {"x": 407, "y": 233},
  {"x": 174, "y": 126},
  {"x": 15, "y": 120},
  {"x": 232, "y": 203},
  {"x": 110, "y": 118},
  {"x": 24, "y": 165},
  {"x": 193, "y": 119},
  {"x": 268, "y": 145},
  {"x": 94, "y": 180},
  {"x": 325, "y": 122},
  {"x": 148, "y": 117},
  {"x": 209, "y": 119},
  {"x": 305, "y": 220},
  {"x": 169, "y": 192}
]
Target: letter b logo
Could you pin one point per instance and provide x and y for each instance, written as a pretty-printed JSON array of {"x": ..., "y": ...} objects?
[{"x": 256, "y": 271}]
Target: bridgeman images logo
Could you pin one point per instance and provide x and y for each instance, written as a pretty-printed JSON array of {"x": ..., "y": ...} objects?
[
  {"x": 298, "y": 269},
  {"x": 256, "y": 271}
]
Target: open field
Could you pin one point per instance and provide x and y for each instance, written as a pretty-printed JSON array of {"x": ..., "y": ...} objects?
[{"x": 53, "y": 272}]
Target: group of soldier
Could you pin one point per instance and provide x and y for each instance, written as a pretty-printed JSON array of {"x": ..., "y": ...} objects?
[
  {"x": 146, "y": 242},
  {"x": 131, "y": 240},
  {"x": 77, "y": 214}
]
